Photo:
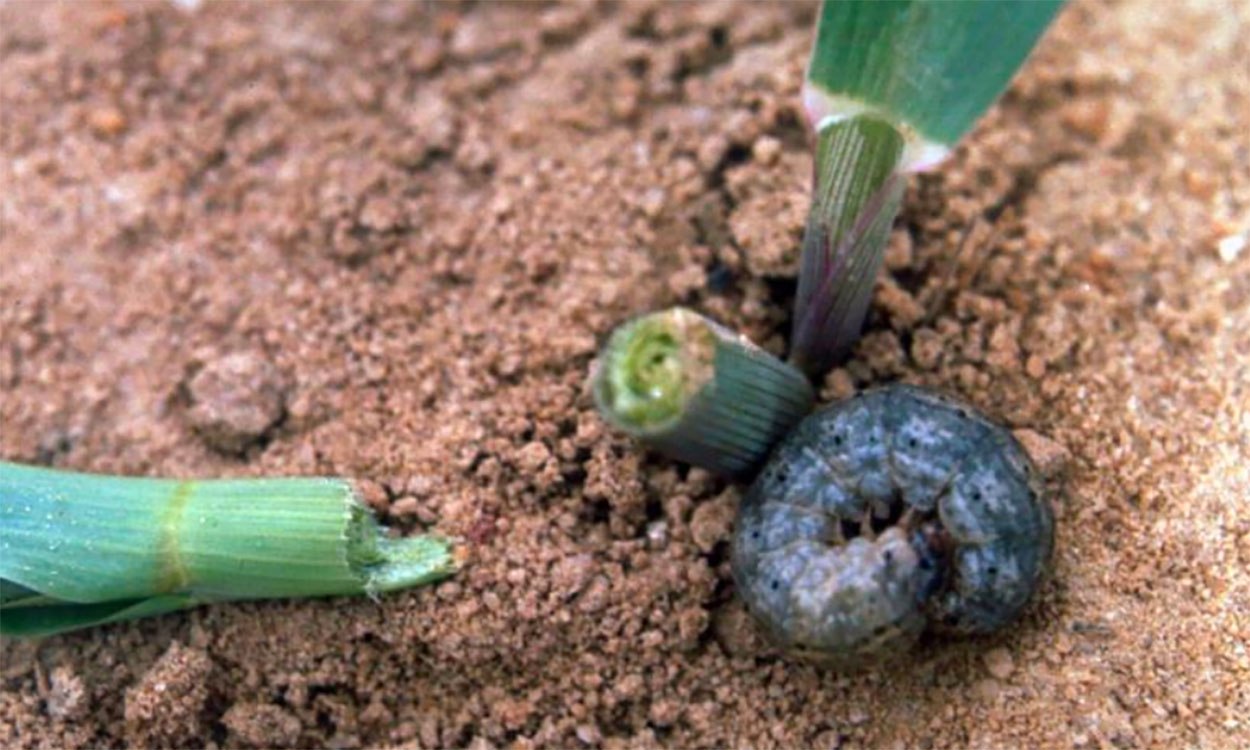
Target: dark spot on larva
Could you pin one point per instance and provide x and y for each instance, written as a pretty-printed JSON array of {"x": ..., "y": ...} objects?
[
  {"x": 943, "y": 582},
  {"x": 850, "y": 529}
]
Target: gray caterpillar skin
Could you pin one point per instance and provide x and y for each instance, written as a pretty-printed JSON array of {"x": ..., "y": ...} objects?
[{"x": 879, "y": 515}]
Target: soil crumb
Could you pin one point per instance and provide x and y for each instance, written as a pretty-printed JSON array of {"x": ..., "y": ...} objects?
[
  {"x": 262, "y": 725},
  {"x": 235, "y": 401},
  {"x": 385, "y": 241},
  {"x": 165, "y": 709}
]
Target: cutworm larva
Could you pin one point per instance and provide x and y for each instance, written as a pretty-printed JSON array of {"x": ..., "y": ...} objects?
[{"x": 883, "y": 514}]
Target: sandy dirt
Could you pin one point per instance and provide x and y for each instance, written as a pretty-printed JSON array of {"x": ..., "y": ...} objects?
[{"x": 385, "y": 241}]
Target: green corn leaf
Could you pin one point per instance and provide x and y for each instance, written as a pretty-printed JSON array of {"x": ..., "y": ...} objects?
[
  {"x": 930, "y": 67},
  {"x": 82, "y": 549},
  {"x": 35, "y": 621}
]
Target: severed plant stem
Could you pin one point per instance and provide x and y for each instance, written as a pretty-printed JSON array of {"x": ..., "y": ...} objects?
[
  {"x": 81, "y": 549},
  {"x": 698, "y": 392}
]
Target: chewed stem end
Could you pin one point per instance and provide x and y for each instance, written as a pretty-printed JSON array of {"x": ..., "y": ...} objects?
[{"x": 697, "y": 392}]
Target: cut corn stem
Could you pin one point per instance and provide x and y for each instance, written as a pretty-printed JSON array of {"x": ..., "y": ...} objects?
[
  {"x": 83, "y": 549},
  {"x": 698, "y": 392},
  {"x": 856, "y": 195}
]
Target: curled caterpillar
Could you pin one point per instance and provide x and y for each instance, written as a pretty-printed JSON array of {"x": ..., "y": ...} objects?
[{"x": 883, "y": 514}]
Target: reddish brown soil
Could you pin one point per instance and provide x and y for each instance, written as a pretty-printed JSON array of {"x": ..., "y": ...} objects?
[{"x": 384, "y": 241}]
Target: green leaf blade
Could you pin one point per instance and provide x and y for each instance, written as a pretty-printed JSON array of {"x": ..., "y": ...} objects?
[
  {"x": 932, "y": 68},
  {"x": 33, "y": 622},
  {"x": 78, "y": 538}
]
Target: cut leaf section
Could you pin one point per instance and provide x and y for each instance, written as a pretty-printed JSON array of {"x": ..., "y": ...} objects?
[
  {"x": 118, "y": 547},
  {"x": 698, "y": 392}
]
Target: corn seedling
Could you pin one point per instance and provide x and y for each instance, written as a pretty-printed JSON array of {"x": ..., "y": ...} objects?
[
  {"x": 891, "y": 87},
  {"x": 78, "y": 550}
]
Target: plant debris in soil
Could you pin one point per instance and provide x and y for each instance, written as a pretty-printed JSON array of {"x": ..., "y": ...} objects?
[{"x": 385, "y": 240}]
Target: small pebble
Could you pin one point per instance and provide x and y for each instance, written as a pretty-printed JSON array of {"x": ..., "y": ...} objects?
[
  {"x": 926, "y": 348},
  {"x": 711, "y": 152},
  {"x": 373, "y": 494},
  {"x": 653, "y": 202},
  {"x": 533, "y": 457},
  {"x": 839, "y": 385},
  {"x": 735, "y": 630},
  {"x": 998, "y": 663},
  {"x": 165, "y": 708},
  {"x": 405, "y": 506},
  {"x": 106, "y": 121},
  {"x": 1089, "y": 117},
  {"x": 713, "y": 520},
  {"x": 987, "y": 689},
  {"x": 900, "y": 251},
  {"x": 67, "y": 697},
  {"x": 1049, "y": 456},
  {"x": 261, "y": 725},
  {"x": 235, "y": 400},
  {"x": 1035, "y": 366},
  {"x": 1231, "y": 246},
  {"x": 657, "y": 535},
  {"x": 765, "y": 150},
  {"x": 588, "y": 734}
]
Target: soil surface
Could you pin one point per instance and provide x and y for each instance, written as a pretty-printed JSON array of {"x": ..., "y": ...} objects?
[{"x": 385, "y": 241}]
